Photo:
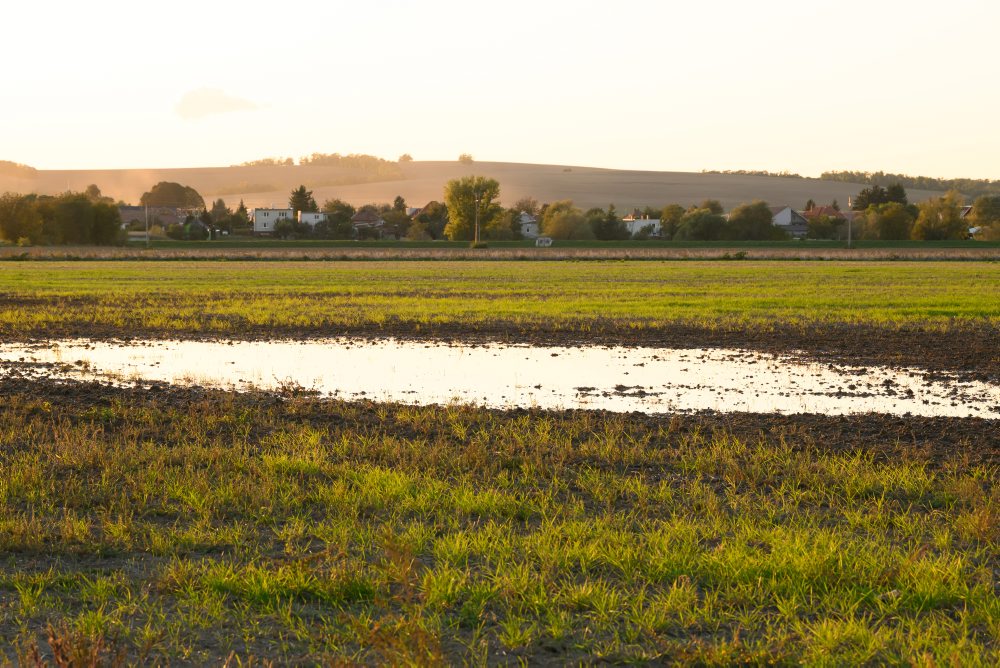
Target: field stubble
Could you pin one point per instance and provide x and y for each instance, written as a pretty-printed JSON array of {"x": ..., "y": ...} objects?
[{"x": 185, "y": 525}]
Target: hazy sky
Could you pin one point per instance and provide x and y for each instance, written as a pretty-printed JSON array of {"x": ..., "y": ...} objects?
[{"x": 802, "y": 85}]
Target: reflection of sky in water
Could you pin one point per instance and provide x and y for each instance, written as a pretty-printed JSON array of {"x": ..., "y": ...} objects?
[{"x": 617, "y": 379}]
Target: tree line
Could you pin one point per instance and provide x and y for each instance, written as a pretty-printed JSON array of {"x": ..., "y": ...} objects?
[
  {"x": 86, "y": 218},
  {"x": 885, "y": 213},
  {"x": 968, "y": 187}
]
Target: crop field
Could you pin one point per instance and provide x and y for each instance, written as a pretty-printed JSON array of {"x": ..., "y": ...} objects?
[
  {"x": 155, "y": 524},
  {"x": 420, "y": 182},
  {"x": 239, "y": 297},
  {"x": 191, "y": 526}
]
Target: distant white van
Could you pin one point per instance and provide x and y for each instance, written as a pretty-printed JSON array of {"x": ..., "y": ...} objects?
[{"x": 543, "y": 242}]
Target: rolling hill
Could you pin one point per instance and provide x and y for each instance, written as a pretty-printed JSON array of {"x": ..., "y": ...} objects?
[{"x": 420, "y": 182}]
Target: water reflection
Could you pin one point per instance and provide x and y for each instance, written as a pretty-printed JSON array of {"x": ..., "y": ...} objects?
[{"x": 651, "y": 380}]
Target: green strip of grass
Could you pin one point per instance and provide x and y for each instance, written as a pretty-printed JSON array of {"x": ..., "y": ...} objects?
[
  {"x": 230, "y": 298},
  {"x": 183, "y": 529}
]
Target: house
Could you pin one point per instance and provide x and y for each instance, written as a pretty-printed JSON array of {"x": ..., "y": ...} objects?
[
  {"x": 636, "y": 222},
  {"x": 311, "y": 219},
  {"x": 790, "y": 220},
  {"x": 827, "y": 211},
  {"x": 368, "y": 223},
  {"x": 529, "y": 226},
  {"x": 265, "y": 220}
]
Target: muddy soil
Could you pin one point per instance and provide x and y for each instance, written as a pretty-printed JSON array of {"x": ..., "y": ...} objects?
[{"x": 929, "y": 440}]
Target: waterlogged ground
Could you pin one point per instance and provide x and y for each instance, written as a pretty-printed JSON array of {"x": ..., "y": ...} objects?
[
  {"x": 650, "y": 380},
  {"x": 166, "y": 522},
  {"x": 939, "y": 316}
]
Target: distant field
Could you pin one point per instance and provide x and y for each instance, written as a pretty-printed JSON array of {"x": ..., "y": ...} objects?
[
  {"x": 424, "y": 181},
  {"x": 233, "y": 297}
]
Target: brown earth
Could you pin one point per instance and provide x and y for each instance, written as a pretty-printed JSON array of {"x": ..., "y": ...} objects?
[{"x": 924, "y": 439}]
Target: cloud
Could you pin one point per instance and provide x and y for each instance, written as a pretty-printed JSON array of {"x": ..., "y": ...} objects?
[{"x": 208, "y": 102}]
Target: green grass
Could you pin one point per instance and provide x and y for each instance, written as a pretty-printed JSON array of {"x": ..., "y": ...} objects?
[
  {"x": 190, "y": 528},
  {"x": 235, "y": 298}
]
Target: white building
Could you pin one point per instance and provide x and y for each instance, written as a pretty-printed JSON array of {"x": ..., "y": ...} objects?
[
  {"x": 790, "y": 220},
  {"x": 264, "y": 220},
  {"x": 636, "y": 225},
  {"x": 311, "y": 219},
  {"x": 637, "y": 222},
  {"x": 529, "y": 226}
]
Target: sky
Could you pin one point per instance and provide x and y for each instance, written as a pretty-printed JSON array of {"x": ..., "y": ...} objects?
[{"x": 797, "y": 85}]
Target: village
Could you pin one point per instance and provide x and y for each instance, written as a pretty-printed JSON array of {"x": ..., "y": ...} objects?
[{"x": 398, "y": 222}]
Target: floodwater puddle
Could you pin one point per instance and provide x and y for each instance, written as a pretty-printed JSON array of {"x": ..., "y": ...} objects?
[{"x": 650, "y": 380}]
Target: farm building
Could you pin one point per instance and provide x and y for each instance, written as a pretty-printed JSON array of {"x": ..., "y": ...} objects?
[
  {"x": 529, "y": 226},
  {"x": 636, "y": 222},
  {"x": 790, "y": 220},
  {"x": 264, "y": 220}
]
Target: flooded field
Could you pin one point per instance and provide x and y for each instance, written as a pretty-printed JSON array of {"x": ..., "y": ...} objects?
[{"x": 649, "y": 380}]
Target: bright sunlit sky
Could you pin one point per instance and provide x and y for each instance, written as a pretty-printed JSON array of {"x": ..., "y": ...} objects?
[{"x": 799, "y": 85}]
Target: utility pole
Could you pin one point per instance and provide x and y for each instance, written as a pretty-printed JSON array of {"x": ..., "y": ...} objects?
[
  {"x": 478, "y": 196},
  {"x": 850, "y": 219}
]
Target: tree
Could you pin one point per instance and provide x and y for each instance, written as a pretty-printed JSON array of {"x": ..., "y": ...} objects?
[
  {"x": 810, "y": 205},
  {"x": 751, "y": 222},
  {"x": 301, "y": 199},
  {"x": 460, "y": 197},
  {"x": 220, "y": 212},
  {"x": 985, "y": 211},
  {"x": 562, "y": 220},
  {"x": 503, "y": 226},
  {"x": 242, "y": 217},
  {"x": 700, "y": 224},
  {"x": 834, "y": 205},
  {"x": 607, "y": 226},
  {"x": 406, "y": 157},
  {"x": 890, "y": 221},
  {"x": 93, "y": 193},
  {"x": 528, "y": 205},
  {"x": 284, "y": 228},
  {"x": 465, "y": 158},
  {"x": 19, "y": 219},
  {"x": 670, "y": 220},
  {"x": 107, "y": 226},
  {"x": 170, "y": 194},
  {"x": 399, "y": 204},
  {"x": 896, "y": 193},
  {"x": 713, "y": 205},
  {"x": 870, "y": 196},
  {"x": 941, "y": 218},
  {"x": 70, "y": 218},
  {"x": 826, "y": 227},
  {"x": 432, "y": 219},
  {"x": 397, "y": 223},
  {"x": 338, "y": 220}
]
